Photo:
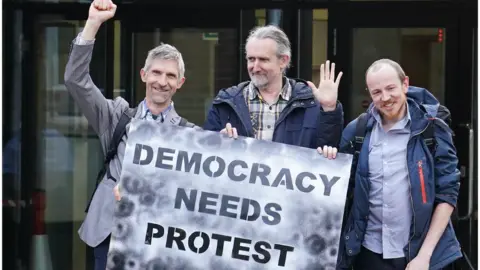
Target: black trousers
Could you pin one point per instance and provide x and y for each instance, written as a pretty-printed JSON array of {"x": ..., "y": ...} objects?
[{"x": 368, "y": 260}]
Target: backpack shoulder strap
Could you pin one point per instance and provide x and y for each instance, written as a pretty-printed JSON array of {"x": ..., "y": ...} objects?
[
  {"x": 429, "y": 136},
  {"x": 120, "y": 129},
  {"x": 360, "y": 130},
  {"x": 183, "y": 122}
]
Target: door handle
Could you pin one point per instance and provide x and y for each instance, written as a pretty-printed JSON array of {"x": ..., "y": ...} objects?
[{"x": 471, "y": 138}]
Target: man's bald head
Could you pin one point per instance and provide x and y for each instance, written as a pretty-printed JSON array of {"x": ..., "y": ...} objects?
[{"x": 382, "y": 63}]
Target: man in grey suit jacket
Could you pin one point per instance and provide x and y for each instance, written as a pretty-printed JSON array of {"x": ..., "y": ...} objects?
[{"x": 163, "y": 74}]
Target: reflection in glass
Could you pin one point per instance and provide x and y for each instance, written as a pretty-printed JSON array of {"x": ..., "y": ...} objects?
[
  {"x": 319, "y": 41},
  {"x": 69, "y": 152}
]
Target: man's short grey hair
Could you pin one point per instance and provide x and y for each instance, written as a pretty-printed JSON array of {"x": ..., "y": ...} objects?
[
  {"x": 277, "y": 35},
  {"x": 377, "y": 65},
  {"x": 165, "y": 52}
]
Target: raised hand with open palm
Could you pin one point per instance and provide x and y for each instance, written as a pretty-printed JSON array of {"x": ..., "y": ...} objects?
[{"x": 327, "y": 91}]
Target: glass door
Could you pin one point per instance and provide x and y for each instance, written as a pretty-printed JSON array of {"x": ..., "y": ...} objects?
[
  {"x": 434, "y": 43},
  {"x": 209, "y": 47}
]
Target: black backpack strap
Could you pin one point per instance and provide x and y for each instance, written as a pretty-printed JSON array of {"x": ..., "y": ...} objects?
[
  {"x": 429, "y": 136},
  {"x": 118, "y": 133},
  {"x": 360, "y": 130},
  {"x": 183, "y": 122}
]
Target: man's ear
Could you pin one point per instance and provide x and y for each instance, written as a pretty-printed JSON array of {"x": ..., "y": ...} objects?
[
  {"x": 143, "y": 75},
  {"x": 181, "y": 82},
  {"x": 284, "y": 60},
  {"x": 406, "y": 83}
]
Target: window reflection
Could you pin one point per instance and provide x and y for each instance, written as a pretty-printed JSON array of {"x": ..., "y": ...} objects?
[
  {"x": 69, "y": 153},
  {"x": 319, "y": 41}
]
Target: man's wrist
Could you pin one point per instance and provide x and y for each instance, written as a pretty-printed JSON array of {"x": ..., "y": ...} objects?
[
  {"x": 90, "y": 30},
  {"x": 425, "y": 254},
  {"x": 329, "y": 108}
]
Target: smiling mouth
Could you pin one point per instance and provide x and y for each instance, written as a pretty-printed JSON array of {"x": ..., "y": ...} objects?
[
  {"x": 388, "y": 105},
  {"x": 158, "y": 89}
]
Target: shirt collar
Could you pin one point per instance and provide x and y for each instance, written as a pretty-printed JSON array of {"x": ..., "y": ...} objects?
[
  {"x": 402, "y": 123},
  {"x": 146, "y": 111},
  {"x": 285, "y": 94}
]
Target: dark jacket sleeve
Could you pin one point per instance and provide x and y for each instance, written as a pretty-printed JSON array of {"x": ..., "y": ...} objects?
[
  {"x": 447, "y": 176},
  {"x": 329, "y": 127},
  {"x": 213, "y": 120}
]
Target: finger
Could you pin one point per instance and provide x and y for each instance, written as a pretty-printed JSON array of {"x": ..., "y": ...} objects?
[
  {"x": 235, "y": 134},
  {"x": 330, "y": 152},
  {"x": 338, "y": 78},
  {"x": 229, "y": 129},
  {"x": 332, "y": 72},
  {"x": 223, "y": 131},
  {"x": 322, "y": 73},
  {"x": 325, "y": 151},
  {"x": 116, "y": 192},
  {"x": 319, "y": 150},
  {"x": 327, "y": 70},
  {"x": 113, "y": 7},
  {"x": 105, "y": 5},
  {"x": 335, "y": 151},
  {"x": 96, "y": 4}
]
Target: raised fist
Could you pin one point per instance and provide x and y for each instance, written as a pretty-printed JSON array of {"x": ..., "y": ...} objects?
[{"x": 101, "y": 10}]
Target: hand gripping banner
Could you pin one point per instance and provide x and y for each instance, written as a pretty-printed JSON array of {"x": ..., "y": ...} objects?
[{"x": 194, "y": 199}]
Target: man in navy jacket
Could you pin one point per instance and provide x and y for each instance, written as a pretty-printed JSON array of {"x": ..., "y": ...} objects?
[
  {"x": 404, "y": 193},
  {"x": 274, "y": 107}
]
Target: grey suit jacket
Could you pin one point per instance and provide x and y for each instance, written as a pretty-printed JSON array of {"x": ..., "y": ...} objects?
[{"x": 103, "y": 115}]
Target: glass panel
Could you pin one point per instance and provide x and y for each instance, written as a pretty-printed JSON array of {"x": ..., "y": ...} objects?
[
  {"x": 319, "y": 41},
  {"x": 420, "y": 51},
  {"x": 261, "y": 17},
  {"x": 69, "y": 152},
  {"x": 11, "y": 169},
  {"x": 118, "y": 84},
  {"x": 209, "y": 65}
]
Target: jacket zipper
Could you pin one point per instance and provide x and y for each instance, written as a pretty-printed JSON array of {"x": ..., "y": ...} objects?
[
  {"x": 290, "y": 109},
  {"x": 411, "y": 200},
  {"x": 422, "y": 182}
]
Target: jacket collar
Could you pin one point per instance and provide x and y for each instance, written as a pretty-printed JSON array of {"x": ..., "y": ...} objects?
[
  {"x": 419, "y": 118},
  {"x": 300, "y": 90},
  {"x": 170, "y": 115}
]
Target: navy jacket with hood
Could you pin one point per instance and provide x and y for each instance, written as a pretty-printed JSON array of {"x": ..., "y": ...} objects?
[
  {"x": 433, "y": 180},
  {"x": 302, "y": 123}
]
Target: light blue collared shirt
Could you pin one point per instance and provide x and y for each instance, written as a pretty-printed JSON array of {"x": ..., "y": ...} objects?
[
  {"x": 147, "y": 114},
  {"x": 390, "y": 215}
]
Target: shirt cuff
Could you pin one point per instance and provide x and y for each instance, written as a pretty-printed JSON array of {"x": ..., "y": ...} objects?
[{"x": 80, "y": 41}]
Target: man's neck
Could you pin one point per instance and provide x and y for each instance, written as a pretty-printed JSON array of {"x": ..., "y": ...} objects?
[
  {"x": 271, "y": 92},
  {"x": 389, "y": 123},
  {"x": 156, "y": 109}
]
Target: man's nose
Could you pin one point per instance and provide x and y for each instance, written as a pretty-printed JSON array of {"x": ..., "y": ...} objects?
[
  {"x": 162, "y": 80},
  {"x": 385, "y": 96},
  {"x": 256, "y": 66}
]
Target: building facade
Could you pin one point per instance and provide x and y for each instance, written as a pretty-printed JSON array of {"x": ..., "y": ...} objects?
[{"x": 51, "y": 156}]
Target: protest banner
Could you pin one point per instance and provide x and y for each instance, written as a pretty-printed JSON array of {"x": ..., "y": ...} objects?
[{"x": 194, "y": 199}]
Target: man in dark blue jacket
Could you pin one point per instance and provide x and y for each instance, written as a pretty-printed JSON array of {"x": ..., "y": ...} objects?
[
  {"x": 274, "y": 107},
  {"x": 403, "y": 192}
]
